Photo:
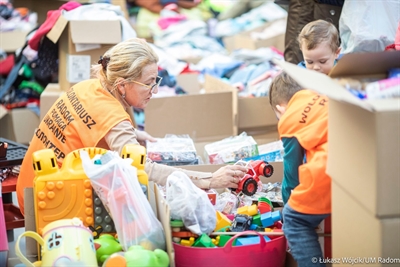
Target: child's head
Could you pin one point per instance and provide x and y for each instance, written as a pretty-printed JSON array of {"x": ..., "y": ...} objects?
[
  {"x": 319, "y": 42},
  {"x": 282, "y": 89}
]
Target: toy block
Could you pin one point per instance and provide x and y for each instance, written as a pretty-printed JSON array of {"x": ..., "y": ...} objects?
[
  {"x": 215, "y": 240},
  {"x": 264, "y": 207},
  {"x": 204, "y": 241},
  {"x": 253, "y": 227},
  {"x": 257, "y": 220},
  {"x": 269, "y": 218},
  {"x": 223, "y": 239},
  {"x": 222, "y": 221},
  {"x": 188, "y": 243},
  {"x": 183, "y": 234},
  {"x": 230, "y": 216},
  {"x": 241, "y": 241},
  {"x": 248, "y": 210}
]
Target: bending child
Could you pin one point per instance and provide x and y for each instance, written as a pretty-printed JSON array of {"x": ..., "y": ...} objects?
[
  {"x": 319, "y": 43},
  {"x": 306, "y": 188}
]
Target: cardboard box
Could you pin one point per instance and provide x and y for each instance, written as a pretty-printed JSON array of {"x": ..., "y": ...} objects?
[
  {"x": 81, "y": 43},
  {"x": 204, "y": 117},
  {"x": 189, "y": 82},
  {"x": 256, "y": 115},
  {"x": 48, "y": 97},
  {"x": 243, "y": 40},
  {"x": 364, "y": 143},
  {"x": 18, "y": 124},
  {"x": 13, "y": 40},
  {"x": 353, "y": 224}
]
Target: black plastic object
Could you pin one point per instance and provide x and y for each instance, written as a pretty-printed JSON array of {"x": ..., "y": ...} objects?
[{"x": 15, "y": 153}]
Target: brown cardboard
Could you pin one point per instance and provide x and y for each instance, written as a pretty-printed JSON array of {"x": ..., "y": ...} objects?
[
  {"x": 256, "y": 115},
  {"x": 353, "y": 225},
  {"x": 243, "y": 40},
  {"x": 18, "y": 124},
  {"x": 47, "y": 98},
  {"x": 204, "y": 117},
  {"x": 189, "y": 82},
  {"x": 13, "y": 40},
  {"x": 364, "y": 143},
  {"x": 74, "y": 64}
]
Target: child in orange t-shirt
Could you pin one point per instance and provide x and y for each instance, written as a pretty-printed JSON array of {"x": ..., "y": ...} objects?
[{"x": 306, "y": 188}]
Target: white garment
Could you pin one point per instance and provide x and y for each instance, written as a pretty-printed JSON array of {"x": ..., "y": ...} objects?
[{"x": 102, "y": 11}]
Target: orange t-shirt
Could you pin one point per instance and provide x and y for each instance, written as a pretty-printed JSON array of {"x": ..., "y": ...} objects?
[
  {"x": 79, "y": 118},
  {"x": 306, "y": 119}
]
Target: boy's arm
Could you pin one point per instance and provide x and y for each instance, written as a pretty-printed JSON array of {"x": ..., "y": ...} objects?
[{"x": 292, "y": 159}]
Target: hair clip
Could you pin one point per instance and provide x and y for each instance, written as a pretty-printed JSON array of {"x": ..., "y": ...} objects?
[{"x": 104, "y": 62}]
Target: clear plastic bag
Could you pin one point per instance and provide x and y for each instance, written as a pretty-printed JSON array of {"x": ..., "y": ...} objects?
[
  {"x": 115, "y": 182},
  {"x": 190, "y": 204},
  {"x": 368, "y": 26}
]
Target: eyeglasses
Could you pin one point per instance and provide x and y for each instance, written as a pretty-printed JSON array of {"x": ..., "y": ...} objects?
[{"x": 151, "y": 87}]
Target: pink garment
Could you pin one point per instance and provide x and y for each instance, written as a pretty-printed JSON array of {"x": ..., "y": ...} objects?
[
  {"x": 397, "y": 38},
  {"x": 52, "y": 16},
  {"x": 164, "y": 23}
]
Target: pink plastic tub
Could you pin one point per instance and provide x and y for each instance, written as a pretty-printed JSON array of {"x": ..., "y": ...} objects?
[{"x": 264, "y": 254}]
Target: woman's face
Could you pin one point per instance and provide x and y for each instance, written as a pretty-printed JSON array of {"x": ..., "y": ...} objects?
[{"x": 138, "y": 95}]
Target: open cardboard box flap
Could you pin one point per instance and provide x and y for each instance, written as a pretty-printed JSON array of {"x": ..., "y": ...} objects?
[
  {"x": 88, "y": 31},
  {"x": 350, "y": 65}
]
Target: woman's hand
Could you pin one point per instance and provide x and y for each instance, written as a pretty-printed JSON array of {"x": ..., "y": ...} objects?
[
  {"x": 143, "y": 136},
  {"x": 228, "y": 176}
]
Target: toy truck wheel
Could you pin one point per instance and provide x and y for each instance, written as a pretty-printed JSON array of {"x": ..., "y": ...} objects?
[
  {"x": 268, "y": 170},
  {"x": 250, "y": 187}
]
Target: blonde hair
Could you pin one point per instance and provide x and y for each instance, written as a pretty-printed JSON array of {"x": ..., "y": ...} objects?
[
  {"x": 317, "y": 32},
  {"x": 125, "y": 60},
  {"x": 282, "y": 89}
]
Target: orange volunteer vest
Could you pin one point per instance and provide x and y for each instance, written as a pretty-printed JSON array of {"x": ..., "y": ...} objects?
[
  {"x": 79, "y": 118},
  {"x": 306, "y": 118}
]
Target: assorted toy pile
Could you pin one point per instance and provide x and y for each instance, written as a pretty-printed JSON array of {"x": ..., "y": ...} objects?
[
  {"x": 97, "y": 197},
  {"x": 252, "y": 206}
]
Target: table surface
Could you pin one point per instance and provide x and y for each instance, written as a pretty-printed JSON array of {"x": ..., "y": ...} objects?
[{"x": 9, "y": 184}]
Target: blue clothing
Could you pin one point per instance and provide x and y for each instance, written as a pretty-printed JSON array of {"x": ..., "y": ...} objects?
[
  {"x": 292, "y": 158},
  {"x": 299, "y": 229}
]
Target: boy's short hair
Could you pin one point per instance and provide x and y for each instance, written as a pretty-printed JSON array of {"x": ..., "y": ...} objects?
[
  {"x": 282, "y": 89},
  {"x": 317, "y": 32}
]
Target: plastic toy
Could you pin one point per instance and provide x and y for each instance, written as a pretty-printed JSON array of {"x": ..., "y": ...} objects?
[
  {"x": 222, "y": 221},
  {"x": 62, "y": 193},
  {"x": 269, "y": 218},
  {"x": 108, "y": 245},
  {"x": 137, "y": 153},
  {"x": 249, "y": 183},
  {"x": 248, "y": 210},
  {"x": 204, "y": 241},
  {"x": 137, "y": 256},
  {"x": 241, "y": 223},
  {"x": 65, "y": 243},
  {"x": 66, "y": 192},
  {"x": 250, "y": 240},
  {"x": 223, "y": 239},
  {"x": 188, "y": 243}
]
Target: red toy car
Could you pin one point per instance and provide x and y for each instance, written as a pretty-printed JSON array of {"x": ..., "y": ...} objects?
[{"x": 249, "y": 183}]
